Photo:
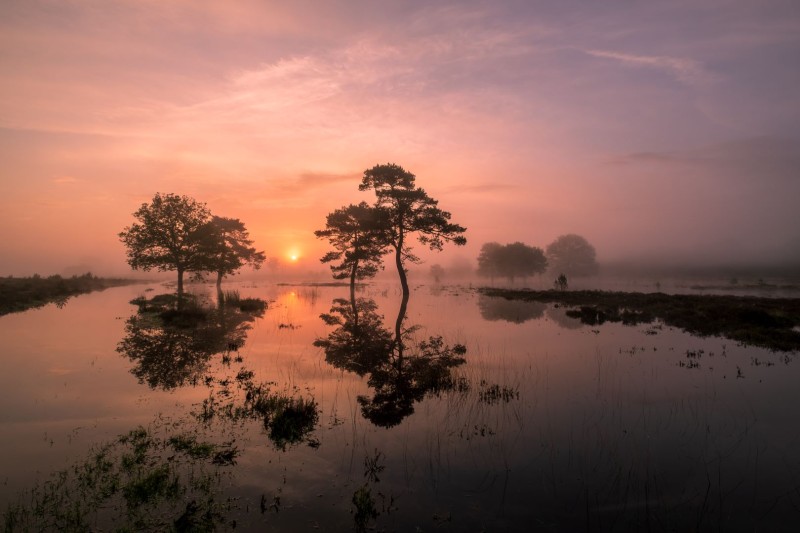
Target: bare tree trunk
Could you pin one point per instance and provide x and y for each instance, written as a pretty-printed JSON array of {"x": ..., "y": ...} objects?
[
  {"x": 353, "y": 293},
  {"x": 398, "y": 329},
  {"x": 353, "y": 272},
  {"x": 398, "y": 259},
  {"x": 180, "y": 287}
]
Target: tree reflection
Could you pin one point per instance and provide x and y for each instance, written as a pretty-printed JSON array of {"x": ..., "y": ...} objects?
[
  {"x": 560, "y": 317},
  {"x": 401, "y": 371},
  {"x": 516, "y": 311},
  {"x": 360, "y": 343},
  {"x": 169, "y": 353}
]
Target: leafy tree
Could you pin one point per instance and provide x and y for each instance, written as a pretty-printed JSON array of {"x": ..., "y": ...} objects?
[
  {"x": 572, "y": 255},
  {"x": 227, "y": 247},
  {"x": 410, "y": 211},
  {"x": 511, "y": 260},
  {"x": 167, "y": 236},
  {"x": 489, "y": 260},
  {"x": 357, "y": 233}
]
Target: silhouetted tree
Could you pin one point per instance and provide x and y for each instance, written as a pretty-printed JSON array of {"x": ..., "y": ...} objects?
[
  {"x": 489, "y": 260},
  {"x": 510, "y": 261},
  {"x": 572, "y": 255},
  {"x": 167, "y": 236},
  {"x": 561, "y": 282},
  {"x": 410, "y": 211},
  {"x": 358, "y": 234},
  {"x": 226, "y": 247}
]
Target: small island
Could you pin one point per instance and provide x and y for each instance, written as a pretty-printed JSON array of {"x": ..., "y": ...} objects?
[
  {"x": 20, "y": 294},
  {"x": 766, "y": 322}
]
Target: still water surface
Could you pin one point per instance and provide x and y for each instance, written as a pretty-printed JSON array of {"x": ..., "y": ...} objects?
[{"x": 483, "y": 415}]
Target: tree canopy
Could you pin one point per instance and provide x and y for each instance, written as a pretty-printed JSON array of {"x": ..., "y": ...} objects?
[
  {"x": 167, "y": 236},
  {"x": 357, "y": 234},
  {"x": 179, "y": 233},
  {"x": 511, "y": 260},
  {"x": 227, "y": 247},
  {"x": 572, "y": 255},
  {"x": 410, "y": 211}
]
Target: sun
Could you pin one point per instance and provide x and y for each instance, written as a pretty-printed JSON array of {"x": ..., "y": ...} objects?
[{"x": 293, "y": 257}]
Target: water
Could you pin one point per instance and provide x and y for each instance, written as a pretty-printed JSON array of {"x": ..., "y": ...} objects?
[{"x": 519, "y": 418}]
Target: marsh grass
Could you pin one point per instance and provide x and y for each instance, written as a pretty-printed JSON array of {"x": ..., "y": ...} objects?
[
  {"x": 139, "y": 481},
  {"x": 232, "y": 298},
  {"x": 193, "y": 310}
]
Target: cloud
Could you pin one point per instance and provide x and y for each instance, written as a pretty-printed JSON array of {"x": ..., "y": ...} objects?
[
  {"x": 757, "y": 159},
  {"x": 688, "y": 71}
]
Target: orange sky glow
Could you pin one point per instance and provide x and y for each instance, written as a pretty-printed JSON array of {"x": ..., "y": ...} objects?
[{"x": 526, "y": 120}]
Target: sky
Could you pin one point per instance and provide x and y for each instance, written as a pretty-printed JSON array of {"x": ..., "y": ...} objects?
[{"x": 663, "y": 131}]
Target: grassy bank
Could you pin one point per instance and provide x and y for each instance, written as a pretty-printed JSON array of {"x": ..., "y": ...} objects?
[
  {"x": 766, "y": 322},
  {"x": 19, "y": 294}
]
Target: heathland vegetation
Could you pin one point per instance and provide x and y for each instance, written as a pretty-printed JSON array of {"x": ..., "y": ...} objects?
[
  {"x": 19, "y": 294},
  {"x": 766, "y": 322}
]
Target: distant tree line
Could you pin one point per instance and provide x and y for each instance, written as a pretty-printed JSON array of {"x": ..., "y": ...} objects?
[
  {"x": 568, "y": 255},
  {"x": 19, "y": 294},
  {"x": 515, "y": 260},
  {"x": 178, "y": 233}
]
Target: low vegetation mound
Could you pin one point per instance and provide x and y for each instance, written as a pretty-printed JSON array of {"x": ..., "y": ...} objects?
[
  {"x": 770, "y": 323},
  {"x": 20, "y": 294}
]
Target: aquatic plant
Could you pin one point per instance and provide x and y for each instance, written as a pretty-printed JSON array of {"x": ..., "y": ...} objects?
[{"x": 136, "y": 482}]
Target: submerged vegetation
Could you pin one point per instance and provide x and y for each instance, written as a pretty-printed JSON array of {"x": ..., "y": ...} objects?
[
  {"x": 140, "y": 481},
  {"x": 19, "y": 294},
  {"x": 766, "y": 322}
]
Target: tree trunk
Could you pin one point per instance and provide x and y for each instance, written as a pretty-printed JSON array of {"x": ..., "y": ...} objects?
[
  {"x": 353, "y": 272},
  {"x": 220, "y": 275},
  {"x": 180, "y": 287},
  {"x": 398, "y": 259},
  {"x": 220, "y": 296},
  {"x": 398, "y": 330},
  {"x": 353, "y": 293}
]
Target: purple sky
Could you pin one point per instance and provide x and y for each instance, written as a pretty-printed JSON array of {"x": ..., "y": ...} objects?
[{"x": 658, "y": 130}]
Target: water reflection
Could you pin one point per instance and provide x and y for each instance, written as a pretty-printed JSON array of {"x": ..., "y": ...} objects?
[
  {"x": 558, "y": 314},
  {"x": 171, "y": 349},
  {"x": 516, "y": 311},
  {"x": 401, "y": 370}
]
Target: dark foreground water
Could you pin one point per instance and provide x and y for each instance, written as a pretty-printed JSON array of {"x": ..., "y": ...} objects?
[{"x": 472, "y": 414}]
